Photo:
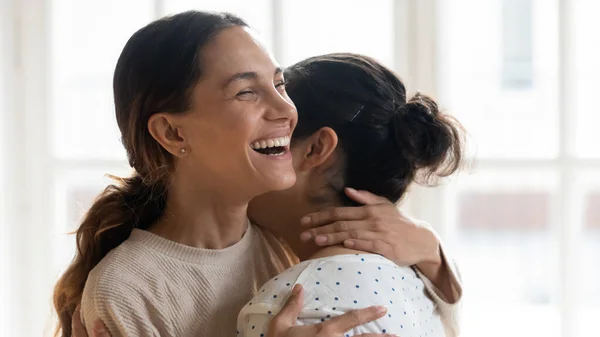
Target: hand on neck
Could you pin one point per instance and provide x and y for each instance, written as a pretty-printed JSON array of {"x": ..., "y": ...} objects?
[{"x": 310, "y": 250}]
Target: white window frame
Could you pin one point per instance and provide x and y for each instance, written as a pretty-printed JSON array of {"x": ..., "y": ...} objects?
[
  {"x": 432, "y": 204},
  {"x": 30, "y": 177}
]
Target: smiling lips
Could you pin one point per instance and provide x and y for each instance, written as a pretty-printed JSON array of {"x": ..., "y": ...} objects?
[{"x": 272, "y": 146}]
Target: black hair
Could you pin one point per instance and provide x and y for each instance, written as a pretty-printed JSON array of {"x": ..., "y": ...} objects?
[{"x": 387, "y": 141}]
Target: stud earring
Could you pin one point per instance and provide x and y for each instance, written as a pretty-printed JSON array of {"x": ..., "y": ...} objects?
[{"x": 182, "y": 151}]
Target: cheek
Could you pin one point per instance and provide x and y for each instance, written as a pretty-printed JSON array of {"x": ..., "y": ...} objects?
[
  {"x": 297, "y": 155},
  {"x": 224, "y": 130}
]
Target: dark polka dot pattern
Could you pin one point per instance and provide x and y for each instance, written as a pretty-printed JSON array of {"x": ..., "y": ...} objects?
[{"x": 338, "y": 284}]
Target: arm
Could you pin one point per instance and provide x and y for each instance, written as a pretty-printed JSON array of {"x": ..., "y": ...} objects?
[
  {"x": 283, "y": 324},
  {"x": 442, "y": 275},
  {"x": 449, "y": 277},
  {"x": 124, "y": 309},
  {"x": 78, "y": 330}
]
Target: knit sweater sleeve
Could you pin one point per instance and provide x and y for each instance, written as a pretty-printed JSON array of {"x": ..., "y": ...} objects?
[
  {"x": 126, "y": 308},
  {"x": 449, "y": 312}
]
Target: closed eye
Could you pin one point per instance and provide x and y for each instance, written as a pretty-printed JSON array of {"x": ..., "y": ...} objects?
[
  {"x": 244, "y": 93},
  {"x": 281, "y": 84}
]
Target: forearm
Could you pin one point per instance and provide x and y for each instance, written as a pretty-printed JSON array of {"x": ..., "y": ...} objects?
[{"x": 440, "y": 275}]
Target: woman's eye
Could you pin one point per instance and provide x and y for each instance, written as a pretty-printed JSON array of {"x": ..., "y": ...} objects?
[
  {"x": 281, "y": 84},
  {"x": 244, "y": 93}
]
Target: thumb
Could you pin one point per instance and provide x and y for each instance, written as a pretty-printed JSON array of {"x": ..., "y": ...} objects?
[
  {"x": 365, "y": 197},
  {"x": 286, "y": 318},
  {"x": 100, "y": 330}
]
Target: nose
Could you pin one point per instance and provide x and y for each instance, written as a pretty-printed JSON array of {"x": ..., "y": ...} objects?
[{"x": 281, "y": 107}]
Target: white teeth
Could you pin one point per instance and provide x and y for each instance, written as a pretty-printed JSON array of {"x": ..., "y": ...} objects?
[{"x": 263, "y": 144}]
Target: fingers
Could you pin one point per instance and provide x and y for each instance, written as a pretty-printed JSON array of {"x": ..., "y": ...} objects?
[
  {"x": 77, "y": 328},
  {"x": 321, "y": 235},
  {"x": 340, "y": 237},
  {"x": 352, "y": 319},
  {"x": 330, "y": 215},
  {"x": 290, "y": 311},
  {"x": 373, "y": 246},
  {"x": 365, "y": 197},
  {"x": 100, "y": 330}
]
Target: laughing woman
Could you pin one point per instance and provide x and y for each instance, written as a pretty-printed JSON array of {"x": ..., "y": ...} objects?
[{"x": 161, "y": 253}]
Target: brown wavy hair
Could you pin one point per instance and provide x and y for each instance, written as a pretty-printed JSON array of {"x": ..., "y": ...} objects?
[{"x": 156, "y": 72}]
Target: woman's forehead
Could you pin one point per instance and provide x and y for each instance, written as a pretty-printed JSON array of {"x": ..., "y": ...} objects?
[{"x": 236, "y": 50}]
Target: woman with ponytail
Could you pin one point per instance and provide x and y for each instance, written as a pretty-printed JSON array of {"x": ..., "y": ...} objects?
[{"x": 206, "y": 123}]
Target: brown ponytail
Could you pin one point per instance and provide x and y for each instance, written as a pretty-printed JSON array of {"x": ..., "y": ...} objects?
[
  {"x": 127, "y": 204},
  {"x": 155, "y": 72}
]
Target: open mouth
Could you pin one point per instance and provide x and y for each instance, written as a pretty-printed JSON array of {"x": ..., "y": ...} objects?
[{"x": 271, "y": 147}]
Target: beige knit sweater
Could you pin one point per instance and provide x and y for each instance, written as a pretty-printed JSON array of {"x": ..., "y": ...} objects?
[{"x": 150, "y": 286}]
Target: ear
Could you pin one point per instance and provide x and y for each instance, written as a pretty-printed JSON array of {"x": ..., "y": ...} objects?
[
  {"x": 319, "y": 147},
  {"x": 163, "y": 128}
]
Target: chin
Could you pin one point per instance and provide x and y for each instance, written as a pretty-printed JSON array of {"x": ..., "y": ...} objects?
[{"x": 282, "y": 182}]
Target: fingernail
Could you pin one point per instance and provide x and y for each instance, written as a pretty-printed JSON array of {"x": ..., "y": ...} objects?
[
  {"x": 321, "y": 239},
  {"x": 381, "y": 309},
  {"x": 305, "y": 220},
  {"x": 351, "y": 189},
  {"x": 296, "y": 289},
  {"x": 349, "y": 243},
  {"x": 305, "y": 236}
]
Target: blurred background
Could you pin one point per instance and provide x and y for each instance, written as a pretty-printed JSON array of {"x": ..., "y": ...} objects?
[{"x": 522, "y": 75}]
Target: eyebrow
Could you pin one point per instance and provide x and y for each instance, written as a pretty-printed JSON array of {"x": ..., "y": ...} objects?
[{"x": 249, "y": 75}]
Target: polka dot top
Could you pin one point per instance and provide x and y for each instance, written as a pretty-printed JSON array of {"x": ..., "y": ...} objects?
[{"x": 337, "y": 284}]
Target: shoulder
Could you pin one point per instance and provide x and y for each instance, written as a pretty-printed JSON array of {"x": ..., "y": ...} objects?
[
  {"x": 119, "y": 291},
  {"x": 119, "y": 274},
  {"x": 275, "y": 248}
]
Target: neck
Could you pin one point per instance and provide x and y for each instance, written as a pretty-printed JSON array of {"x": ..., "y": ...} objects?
[
  {"x": 304, "y": 251},
  {"x": 202, "y": 220},
  {"x": 309, "y": 251}
]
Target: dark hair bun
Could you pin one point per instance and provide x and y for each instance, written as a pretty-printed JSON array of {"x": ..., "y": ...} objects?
[{"x": 429, "y": 140}]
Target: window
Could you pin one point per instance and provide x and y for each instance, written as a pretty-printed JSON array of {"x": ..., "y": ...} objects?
[
  {"x": 587, "y": 258},
  {"x": 317, "y": 27},
  {"x": 517, "y": 48},
  {"x": 524, "y": 225},
  {"x": 586, "y": 70},
  {"x": 84, "y": 52},
  {"x": 503, "y": 233},
  {"x": 504, "y": 123}
]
